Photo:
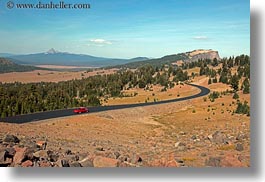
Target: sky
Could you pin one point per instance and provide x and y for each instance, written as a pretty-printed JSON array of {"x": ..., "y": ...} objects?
[{"x": 128, "y": 28}]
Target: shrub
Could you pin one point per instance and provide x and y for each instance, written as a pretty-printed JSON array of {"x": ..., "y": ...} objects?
[
  {"x": 236, "y": 96},
  {"x": 214, "y": 96},
  {"x": 243, "y": 108}
]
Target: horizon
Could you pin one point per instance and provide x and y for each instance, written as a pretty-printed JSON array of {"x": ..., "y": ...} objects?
[
  {"x": 60, "y": 51},
  {"x": 130, "y": 29}
]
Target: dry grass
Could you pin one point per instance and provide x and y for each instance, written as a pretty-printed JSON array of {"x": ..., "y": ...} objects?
[
  {"x": 151, "y": 96},
  {"x": 150, "y": 131},
  {"x": 48, "y": 76}
]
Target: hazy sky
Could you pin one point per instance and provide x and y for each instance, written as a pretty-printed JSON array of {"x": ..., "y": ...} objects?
[{"x": 129, "y": 28}]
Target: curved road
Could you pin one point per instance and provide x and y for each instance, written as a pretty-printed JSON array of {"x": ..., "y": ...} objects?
[{"x": 69, "y": 112}]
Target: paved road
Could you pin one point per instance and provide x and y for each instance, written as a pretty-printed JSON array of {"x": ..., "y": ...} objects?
[{"x": 69, "y": 112}]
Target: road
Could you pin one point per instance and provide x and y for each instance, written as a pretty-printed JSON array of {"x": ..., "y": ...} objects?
[{"x": 69, "y": 112}]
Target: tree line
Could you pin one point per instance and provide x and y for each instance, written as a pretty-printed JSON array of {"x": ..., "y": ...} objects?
[{"x": 24, "y": 98}]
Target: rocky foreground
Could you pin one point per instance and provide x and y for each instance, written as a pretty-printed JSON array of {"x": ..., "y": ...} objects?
[{"x": 30, "y": 153}]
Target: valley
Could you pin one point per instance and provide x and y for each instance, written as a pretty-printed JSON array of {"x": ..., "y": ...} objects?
[{"x": 208, "y": 131}]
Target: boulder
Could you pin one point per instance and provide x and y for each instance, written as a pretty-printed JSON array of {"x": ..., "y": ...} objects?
[
  {"x": 180, "y": 146},
  {"x": 53, "y": 157},
  {"x": 41, "y": 155},
  {"x": 2, "y": 157},
  {"x": 71, "y": 158},
  {"x": 136, "y": 159},
  {"x": 68, "y": 152},
  {"x": 20, "y": 155},
  {"x": 44, "y": 164},
  {"x": 41, "y": 145},
  {"x": 230, "y": 161},
  {"x": 4, "y": 162},
  {"x": 11, "y": 139},
  {"x": 86, "y": 162},
  {"x": 213, "y": 162},
  {"x": 239, "y": 147},
  {"x": 10, "y": 152},
  {"x": 218, "y": 138},
  {"x": 27, "y": 163},
  {"x": 241, "y": 137},
  {"x": 117, "y": 154},
  {"x": 75, "y": 164},
  {"x": 165, "y": 162},
  {"x": 65, "y": 163},
  {"x": 105, "y": 162}
]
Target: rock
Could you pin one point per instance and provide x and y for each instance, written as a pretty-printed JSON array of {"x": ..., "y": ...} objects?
[
  {"x": 27, "y": 163},
  {"x": 182, "y": 133},
  {"x": 41, "y": 155},
  {"x": 213, "y": 162},
  {"x": 68, "y": 152},
  {"x": 210, "y": 137},
  {"x": 86, "y": 162},
  {"x": 41, "y": 145},
  {"x": 165, "y": 162},
  {"x": 3, "y": 160},
  {"x": 117, "y": 154},
  {"x": 75, "y": 164},
  {"x": 203, "y": 154},
  {"x": 10, "y": 152},
  {"x": 194, "y": 137},
  {"x": 82, "y": 156},
  {"x": 30, "y": 144},
  {"x": 180, "y": 146},
  {"x": 2, "y": 156},
  {"x": 71, "y": 158},
  {"x": 11, "y": 139},
  {"x": 29, "y": 153},
  {"x": 230, "y": 161},
  {"x": 241, "y": 137},
  {"x": 218, "y": 138},
  {"x": 53, "y": 157},
  {"x": 100, "y": 149},
  {"x": 203, "y": 54},
  {"x": 65, "y": 163},
  {"x": 172, "y": 164},
  {"x": 20, "y": 155},
  {"x": 136, "y": 159},
  {"x": 44, "y": 164},
  {"x": 105, "y": 162},
  {"x": 125, "y": 158},
  {"x": 239, "y": 147}
]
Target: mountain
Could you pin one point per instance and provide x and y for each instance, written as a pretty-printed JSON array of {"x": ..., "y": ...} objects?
[
  {"x": 174, "y": 58},
  {"x": 6, "y": 66},
  {"x": 54, "y": 57}
]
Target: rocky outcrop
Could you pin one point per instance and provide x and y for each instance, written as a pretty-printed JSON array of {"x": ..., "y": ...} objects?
[
  {"x": 15, "y": 154},
  {"x": 202, "y": 54}
]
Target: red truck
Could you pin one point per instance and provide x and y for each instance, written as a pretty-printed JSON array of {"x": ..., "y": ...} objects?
[{"x": 81, "y": 110}]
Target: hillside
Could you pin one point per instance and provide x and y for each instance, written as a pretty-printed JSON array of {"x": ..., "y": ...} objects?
[
  {"x": 155, "y": 62},
  {"x": 170, "y": 59},
  {"x": 6, "y": 66}
]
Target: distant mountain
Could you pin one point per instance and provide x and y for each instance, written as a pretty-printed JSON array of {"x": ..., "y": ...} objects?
[
  {"x": 6, "y": 66},
  {"x": 54, "y": 57},
  {"x": 171, "y": 59}
]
